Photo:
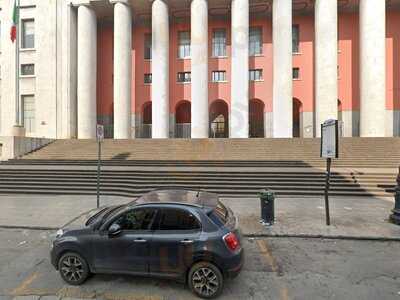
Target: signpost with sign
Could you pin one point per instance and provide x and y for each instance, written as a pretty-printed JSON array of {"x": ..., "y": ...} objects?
[
  {"x": 100, "y": 138},
  {"x": 329, "y": 150}
]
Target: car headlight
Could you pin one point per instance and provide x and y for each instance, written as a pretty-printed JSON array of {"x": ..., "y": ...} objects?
[{"x": 59, "y": 233}]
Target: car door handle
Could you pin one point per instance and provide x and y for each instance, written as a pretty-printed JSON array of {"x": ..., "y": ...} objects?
[
  {"x": 187, "y": 242},
  {"x": 140, "y": 241}
]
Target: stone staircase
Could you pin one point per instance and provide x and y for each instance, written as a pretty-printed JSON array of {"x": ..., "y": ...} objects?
[{"x": 234, "y": 167}]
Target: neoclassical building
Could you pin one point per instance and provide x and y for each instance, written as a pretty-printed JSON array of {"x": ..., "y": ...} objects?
[{"x": 199, "y": 69}]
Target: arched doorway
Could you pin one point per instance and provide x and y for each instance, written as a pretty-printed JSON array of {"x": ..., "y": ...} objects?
[
  {"x": 146, "y": 120},
  {"x": 297, "y": 109},
  {"x": 219, "y": 119},
  {"x": 183, "y": 119},
  {"x": 256, "y": 118}
]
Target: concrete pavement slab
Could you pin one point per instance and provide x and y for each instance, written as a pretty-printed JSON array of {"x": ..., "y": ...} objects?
[
  {"x": 351, "y": 217},
  {"x": 47, "y": 212},
  {"x": 357, "y": 217}
]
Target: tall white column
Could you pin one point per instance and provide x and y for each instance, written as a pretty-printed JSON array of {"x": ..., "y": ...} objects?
[
  {"x": 122, "y": 70},
  {"x": 372, "y": 68},
  {"x": 87, "y": 70},
  {"x": 282, "y": 102},
  {"x": 239, "y": 122},
  {"x": 326, "y": 61},
  {"x": 199, "y": 62},
  {"x": 160, "y": 70}
]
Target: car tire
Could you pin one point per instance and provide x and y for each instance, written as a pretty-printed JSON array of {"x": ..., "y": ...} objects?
[
  {"x": 73, "y": 268},
  {"x": 205, "y": 280}
]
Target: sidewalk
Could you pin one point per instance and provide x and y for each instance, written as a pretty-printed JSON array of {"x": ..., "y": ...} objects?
[{"x": 351, "y": 218}]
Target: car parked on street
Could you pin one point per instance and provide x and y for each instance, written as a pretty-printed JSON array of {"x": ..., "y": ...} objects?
[{"x": 180, "y": 234}]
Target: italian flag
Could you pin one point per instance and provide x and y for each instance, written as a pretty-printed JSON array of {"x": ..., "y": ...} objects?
[{"x": 13, "y": 30}]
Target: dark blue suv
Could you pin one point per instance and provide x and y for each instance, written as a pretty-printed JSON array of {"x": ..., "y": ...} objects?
[{"x": 186, "y": 235}]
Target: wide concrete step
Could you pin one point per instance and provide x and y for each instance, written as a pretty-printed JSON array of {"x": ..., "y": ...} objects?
[
  {"x": 230, "y": 167},
  {"x": 138, "y": 180},
  {"x": 203, "y": 173},
  {"x": 362, "y": 150},
  {"x": 132, "y": 183},
  {"x": 351, "y": 163},
  {"x": 118, "y": 191}
]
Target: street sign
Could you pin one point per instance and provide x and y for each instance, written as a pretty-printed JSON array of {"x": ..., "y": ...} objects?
[
  {"x": 100, "y": 132},
  {"x": 329, "y": 150},
  {"x": 330, "y": 139}
]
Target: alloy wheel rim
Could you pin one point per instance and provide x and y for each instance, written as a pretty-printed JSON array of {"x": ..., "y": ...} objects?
[
  {"x": 205, "y": 281},
  {"x": 72, "y": 268}
]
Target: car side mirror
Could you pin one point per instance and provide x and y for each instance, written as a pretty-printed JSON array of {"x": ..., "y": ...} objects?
[{"x": 114, "y": 230}]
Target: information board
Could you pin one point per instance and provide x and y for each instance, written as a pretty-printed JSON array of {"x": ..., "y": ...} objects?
[
  {"x": 100, "y": 132},
  {"x": 330, "y": 139}
]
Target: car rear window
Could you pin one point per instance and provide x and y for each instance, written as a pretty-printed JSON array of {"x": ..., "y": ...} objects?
[{"x": 219, "y": 215}]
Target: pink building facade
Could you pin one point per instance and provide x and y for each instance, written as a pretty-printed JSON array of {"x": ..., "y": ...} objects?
[{"x": 260, "y": 66}]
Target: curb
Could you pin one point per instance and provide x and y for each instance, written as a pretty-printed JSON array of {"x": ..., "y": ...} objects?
[
  {"x": 257, "y": 235},
  {"x": 28, "y": 227},
  {"x": 320, "y": 236}
]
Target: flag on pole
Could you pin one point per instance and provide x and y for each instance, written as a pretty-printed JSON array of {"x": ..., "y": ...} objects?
[{"x": 13, "y": 31}]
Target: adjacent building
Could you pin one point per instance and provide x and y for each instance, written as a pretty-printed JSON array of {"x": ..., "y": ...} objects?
[{"x": 198, "y": 68}]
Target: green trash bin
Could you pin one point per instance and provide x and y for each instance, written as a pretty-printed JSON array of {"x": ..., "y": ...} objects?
[{"x": 267, "y": 199}]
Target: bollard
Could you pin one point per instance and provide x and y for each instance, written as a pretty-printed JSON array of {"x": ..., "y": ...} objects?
[{"x": 267, "y": 199}]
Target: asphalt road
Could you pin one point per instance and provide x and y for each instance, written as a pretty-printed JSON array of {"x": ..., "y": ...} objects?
[{"x": 275, "y": 268}]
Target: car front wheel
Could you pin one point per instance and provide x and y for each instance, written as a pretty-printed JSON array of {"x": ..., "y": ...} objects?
[
  {"x": 73, "y": 268},
  {"x": 205, "y": 280}
]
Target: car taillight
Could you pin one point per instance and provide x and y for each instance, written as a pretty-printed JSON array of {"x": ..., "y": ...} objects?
[{"x": 231, "y": 241}]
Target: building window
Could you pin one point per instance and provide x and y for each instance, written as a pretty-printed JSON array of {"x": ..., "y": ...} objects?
[
  {"x": 296, "y": 73},
  {"x": 184, "y": 44},
  {"x": 147, "y": 78},
  {"x": 28, "y": 34},
  {"x": 147, "y": 46},
  {"x": 27, "y": 69},
  {"x": 28, "y": 104},
  {"x": 255, "y": 41},
  {"x": 218, "y": 76},
  {"x": 296, "y": 38},
  {"x": 255, "y": 75},
  {"x": 219, "y": 43},
  {"x": 184, "y": 77}
]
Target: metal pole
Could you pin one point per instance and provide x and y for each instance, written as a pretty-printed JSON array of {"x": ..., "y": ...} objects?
[
  {"x": 328, "y": 175},
  {"x": 17, "y": 42},
  {"x": 98, "y": 173}
]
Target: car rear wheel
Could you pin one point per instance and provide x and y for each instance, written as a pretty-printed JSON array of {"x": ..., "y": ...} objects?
[
  {"x": 73, "y": 268},
  {"x": 205, "y": 280}
]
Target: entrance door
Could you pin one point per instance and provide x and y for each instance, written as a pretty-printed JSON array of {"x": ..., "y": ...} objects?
[
  {"x": 219, "y": 122},
  {"x": 297, "y": 107}
]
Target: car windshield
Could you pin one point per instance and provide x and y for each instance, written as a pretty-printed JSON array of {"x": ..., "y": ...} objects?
[
  {"x": 112, "y": 211},
  {"x": 95, "y": 216}
]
